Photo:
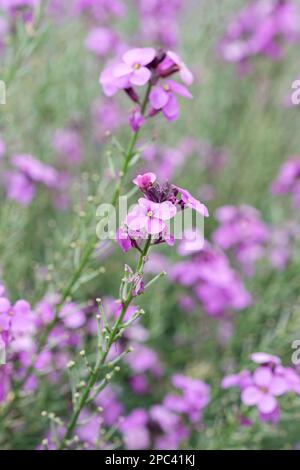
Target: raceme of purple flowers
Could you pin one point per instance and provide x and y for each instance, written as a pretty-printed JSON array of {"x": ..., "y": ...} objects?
[
  {"x": 141, "y": 66},
  {"x": 262, "y": 28},
  {"x": 150, "y": 216}
]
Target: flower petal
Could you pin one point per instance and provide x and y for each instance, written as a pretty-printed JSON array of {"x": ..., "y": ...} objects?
[
  {"x": 267, "y": 404},
  {"x": 121, "y": 70},
  {"x": 179, "y": 89},
  {"x": 142, "y": 56},
  {"x": 262, "y": 377},
  {"x": 158, "y": 97},
  {"x": 140, "y": 77},
  {"x": 165, "y": 211},
  {"x": 251, "y": 395},
  {"x": 154, "y": 225},
  {"x": 171, "y": 109}
]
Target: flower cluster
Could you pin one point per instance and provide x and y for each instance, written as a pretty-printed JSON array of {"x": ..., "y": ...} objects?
[
  {"x": 159, "y": 21},
  {"x": 150, "y": 216},
  {"x": 28, "y": 174},
  {"x": 261, "y": 28},
  {"x": 208, "y": 273},
  {"x": 170, "y": 423},
  {"x": 241, "y": 231},
  {"x": 99, "y": 10},
  {"x": 262, "y": 387},
  {"x": 142, "y": 66},
  {"x": 67, "y": 143}
]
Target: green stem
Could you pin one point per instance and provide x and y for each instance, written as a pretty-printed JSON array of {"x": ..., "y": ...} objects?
[{"x": 94, "y": 376}]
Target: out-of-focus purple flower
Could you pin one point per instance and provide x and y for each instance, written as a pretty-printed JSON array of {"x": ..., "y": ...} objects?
[
  {"x": 107, "y": 117},
  {"x": 101, "y": 41},
  {"x": 242, "y": 231},
  {"x": 2, "y": 148},
  {"x": 20, "y": 188},
  {"x": 261, "y": 28},
  {"x": 194, "y": 397},
  {"x": 159, "y": 21},
  {"x": 22, "y": 185},
  {"x": 288, "y": 180},
  {"x": 67, "y": 143},
  {"x": 111, "y": 405},
  {"x": 135, "y": 431},
  {"x": 212, "y": 279},
  {"x": 35, "y": 170},
  {"x": 100, "y": 10},
  {"x": 281, "y": 244},
  {"x": 72, "y": 316},
  {"x": 144, "y": 359},
  {"x": 262, "y": 388},
  {"x": 136, "y": 119}
]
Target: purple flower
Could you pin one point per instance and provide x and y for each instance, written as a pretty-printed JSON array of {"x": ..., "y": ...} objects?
[
  {"x": 242, "y": 230},
  {"x": 150, "y": 216},
  {"x": 72, "y": 316},
  {"x": 162, "y": 98},
  {"x": 144, "y": 181},
  {"x": 192, "y": 203},
  {"x": 136, "y": 119},
  {"x": 134, "y": 65},
  {"x": 288, "y": 180},
  {"x": 135, "y": 431},
  {"x": 130, "y": 71},
  {"x": 67, "y": 143},
  {"x": 2, "y": 148},
  {"x": 213, "y": 281},
  {"x": 261, "y": 28},
  {"x": 263, "y": 387},
  {"x": 173, "y": 62},
  {"x": 263, "y": 391},
  {"x": 101, "y": 41},
  {"x": 194, "y": 397}
]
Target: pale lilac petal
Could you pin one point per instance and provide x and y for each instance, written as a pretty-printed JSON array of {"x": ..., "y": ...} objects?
[
  {"x": 158, "y": 97},
  {"x": 140, "y": 77},
  {"x": 154, "y": 226},
  {"x": 262, "y": 377},
  {"x": 251, "y": 396},
  {"x": 171, "y": 109},
  {"x": 145, "y": 204},
  {"x": 142, "y": 56},
  {"x": 137, "y": 223},
  {"x": 186, "y": 76},
  {"x": 278, "y": 386},
  {"x": 179, "y": 89},
  {"x": 264, "y": 358},
  {"x": 267, "y": 404},
  {"x": 165, "y": 211},
  {"x": 122, "y": 70}
]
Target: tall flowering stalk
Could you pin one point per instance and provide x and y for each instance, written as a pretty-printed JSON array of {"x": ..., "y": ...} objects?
[
  {"x": 139, "y": 67},
  {"x": 145, "y": 226}
]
